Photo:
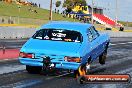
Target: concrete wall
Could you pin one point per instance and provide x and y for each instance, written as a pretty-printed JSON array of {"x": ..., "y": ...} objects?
[
  {"x": 19, "y": 32},
  {"x": 118, "y": 33},
  {"x": 16, "y": 32}
]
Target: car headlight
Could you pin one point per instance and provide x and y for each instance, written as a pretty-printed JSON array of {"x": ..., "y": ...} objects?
[
  {"x": 72, "y": 59},
  {"x": 26, "y": 55}
]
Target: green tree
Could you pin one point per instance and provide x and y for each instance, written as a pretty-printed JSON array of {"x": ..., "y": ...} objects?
[
  {"x": 58, "y": 3},
  {"x": 69, "y": 4}
]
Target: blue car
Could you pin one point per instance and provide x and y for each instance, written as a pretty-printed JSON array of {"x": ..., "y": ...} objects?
[{"x": 66, "y": 45}]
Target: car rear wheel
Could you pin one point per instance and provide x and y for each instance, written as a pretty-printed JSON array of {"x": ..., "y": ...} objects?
[
  {"x": 33, "y": 69},
  {"x": 82, "y": 70},
  {"x": 81, "y": 79}
]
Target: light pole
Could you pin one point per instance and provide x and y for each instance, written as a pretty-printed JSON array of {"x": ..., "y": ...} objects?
[
  {"x": 19, "y": 10},
  {"x": 92, "y": 10},
  {"x": 50, "y": 17},
  {"x": 116, "y": 13}
]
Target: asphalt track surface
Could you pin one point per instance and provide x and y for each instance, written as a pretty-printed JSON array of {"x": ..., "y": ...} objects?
[{"x": 119, "y": 61}]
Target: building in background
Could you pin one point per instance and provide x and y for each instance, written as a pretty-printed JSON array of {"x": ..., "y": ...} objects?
[{"x": 85, "y": 12}]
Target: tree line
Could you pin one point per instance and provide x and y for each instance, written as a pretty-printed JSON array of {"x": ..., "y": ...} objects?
[{"x": 69, "y": 4}]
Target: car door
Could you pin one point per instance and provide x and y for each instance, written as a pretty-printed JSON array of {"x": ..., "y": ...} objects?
[
  {"x": 99, "y": 41},
  {"x": 93, "y": 37}
]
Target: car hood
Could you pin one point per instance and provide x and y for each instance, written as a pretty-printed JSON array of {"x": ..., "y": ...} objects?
[{"x": 51, "y": 47}]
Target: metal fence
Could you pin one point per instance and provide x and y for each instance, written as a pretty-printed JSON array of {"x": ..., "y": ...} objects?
[
  {"x": 18, "y": 20},
  {"x": 16, "y": 32}
]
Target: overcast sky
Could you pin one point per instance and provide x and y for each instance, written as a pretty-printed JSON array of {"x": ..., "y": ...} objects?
[{"x": 124, "y": 7}]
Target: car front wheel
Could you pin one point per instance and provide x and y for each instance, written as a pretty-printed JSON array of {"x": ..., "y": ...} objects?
[{"x": 33, "y": 69}]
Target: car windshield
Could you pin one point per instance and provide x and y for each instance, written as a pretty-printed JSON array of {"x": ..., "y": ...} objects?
[{"x": 58, "y": 35}]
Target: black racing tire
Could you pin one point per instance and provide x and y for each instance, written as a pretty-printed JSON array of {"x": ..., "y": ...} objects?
[
  {"x": 102, "y": 57},
  {"x": 33, "y": 69},
  {"x": 81, "y": 80},
  {"x": 78, "y": 73}
]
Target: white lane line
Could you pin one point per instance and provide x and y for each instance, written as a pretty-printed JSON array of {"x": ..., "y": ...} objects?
[
  {"x": 10, "y": 68},
  {"x": 8, "y": 59},
  {"x": 22, "y": 84},
  {"x": 111, "y": 44},
  {"x": 122, "y": 43},
  {"x": 129, "y": 42},
  {"x": 59, "y": 76},
  {"x": 13, "y": 46},
  {"x": 10, "y": 41}
]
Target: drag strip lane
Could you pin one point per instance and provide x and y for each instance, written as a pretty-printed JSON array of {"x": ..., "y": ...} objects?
[
  {"x": 118, "y": 62},
  {"x": 46, "y": 81},
  {"x": 121, "y": 43}
]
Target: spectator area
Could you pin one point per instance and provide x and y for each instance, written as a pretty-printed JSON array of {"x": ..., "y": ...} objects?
[{"x": 106, "y": 20}]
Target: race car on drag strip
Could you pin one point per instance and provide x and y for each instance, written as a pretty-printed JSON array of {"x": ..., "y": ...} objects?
[{"x": 64, "y": 45}]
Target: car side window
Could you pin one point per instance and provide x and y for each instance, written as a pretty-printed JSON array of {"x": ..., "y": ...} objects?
[
  {"x": 39, "y": 35},
  {"x": 92, "y": 33}
]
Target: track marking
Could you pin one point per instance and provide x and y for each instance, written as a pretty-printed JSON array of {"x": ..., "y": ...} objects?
[
  {"x": 3, "y": 60},
  {"x": 22, "y": 84},
  {"x": 122, "y": 43},
  {"x": 59, "y": 76},
  {"x": 129, "y": 42},
  {"x": 111, "y": 44},
  {"x": 10, "y": 41},
  {"x": 10, "y": 68}
]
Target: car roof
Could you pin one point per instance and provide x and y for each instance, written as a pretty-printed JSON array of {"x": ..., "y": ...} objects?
[{"x": 74, "y": 26}]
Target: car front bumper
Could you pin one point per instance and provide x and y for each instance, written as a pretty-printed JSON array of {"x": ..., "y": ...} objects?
[{"x": 57, "y": 64}]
